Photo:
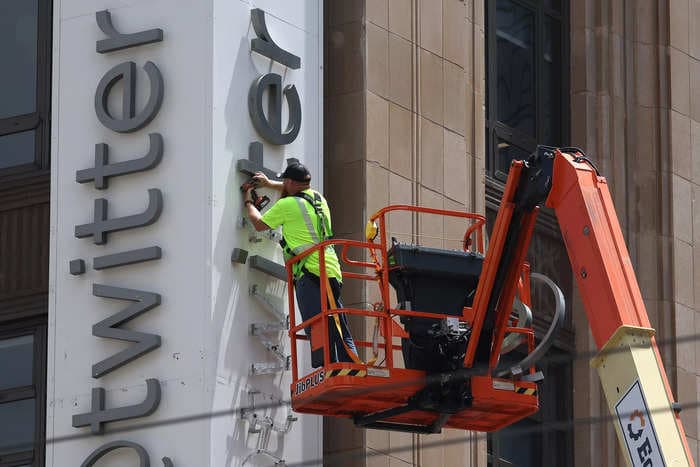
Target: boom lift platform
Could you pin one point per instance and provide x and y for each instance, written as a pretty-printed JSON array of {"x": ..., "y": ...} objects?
[{"x": 436, "y": 354}]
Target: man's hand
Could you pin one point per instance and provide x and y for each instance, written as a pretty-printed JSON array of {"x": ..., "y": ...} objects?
[
  {"x": 252, "y": 210},
  {"x": 253, "y": 213},
  {"x": 262, "y": 180}
]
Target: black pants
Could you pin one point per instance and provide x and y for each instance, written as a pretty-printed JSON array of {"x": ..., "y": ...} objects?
[{"x": 308, "y": 292}]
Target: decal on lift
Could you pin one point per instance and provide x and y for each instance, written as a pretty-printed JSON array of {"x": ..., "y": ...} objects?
[
  {"x": 527, "y": 391},
  {"x": 381, "y": 372},
  {"x": 311, "y": 381},
  {"x": 503, "y": 385},
  {"x": 346, "y": 372},
  {"x": 638, "y": 429}
]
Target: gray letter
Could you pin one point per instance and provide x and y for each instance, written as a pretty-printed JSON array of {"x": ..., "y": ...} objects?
[
  {"x": 144, "y": 461},
  {"x": 254, "y": 163},
  {"x": 126, "y": 257},
  {"x": 98, "y": 416},
  {"x": 239, "y": 255},
  {"x": 268, "y": 267},
  {"x": 101, "y": 226},
  {"x": 106, "y": 448},
  {"x": 103, "y": 170},
  {"x": 108, "y": 327},
  {"x": 129, "y": 121},
  {"x": 271, "y": 127},
  {"x": 117, "y": 40},
  {"x": 264, "y": 45},
  {"x": 77, "y": 266}
]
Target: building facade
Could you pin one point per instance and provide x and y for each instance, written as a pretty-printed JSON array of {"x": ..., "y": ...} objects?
[
  {"x": 463, "y": 87},
  {"x": 129, "y": 313}
]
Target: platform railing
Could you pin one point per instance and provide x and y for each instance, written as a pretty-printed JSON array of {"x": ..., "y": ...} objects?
[{"x": 376, "y": 270}]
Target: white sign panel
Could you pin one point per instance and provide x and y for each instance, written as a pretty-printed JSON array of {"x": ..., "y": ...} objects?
[
  {"x": 638, "y": 429},
  {"x": 152, "y": 354}
]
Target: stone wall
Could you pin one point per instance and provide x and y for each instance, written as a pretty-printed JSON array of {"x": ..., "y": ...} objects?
[
  {"x": 404, "y": 113},
  {"x": 635, "y": 103}
]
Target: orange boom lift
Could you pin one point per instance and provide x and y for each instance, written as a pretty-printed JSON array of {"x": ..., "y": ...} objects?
[{"x": 436, "y": 355}]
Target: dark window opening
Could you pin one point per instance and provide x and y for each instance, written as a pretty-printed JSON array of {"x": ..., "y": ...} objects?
[
  {"x": 515, "y": 56},
  {"x": 25, "y": 82},
  {"x": 18, "y": 47},
  {"x": 545, "y": 438},
  {"x": 17, "y": 149},
  {"x": 527, "y": 79},
  {"x": 22, "y": 392}
]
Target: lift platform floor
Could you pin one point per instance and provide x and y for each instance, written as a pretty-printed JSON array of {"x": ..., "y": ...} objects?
[{"x": 350, "y": 390}]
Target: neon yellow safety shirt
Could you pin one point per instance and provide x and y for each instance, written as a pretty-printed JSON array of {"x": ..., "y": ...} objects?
[{"x": 288, "y": 213}]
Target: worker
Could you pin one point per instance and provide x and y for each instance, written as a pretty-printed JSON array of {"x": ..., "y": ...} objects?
[{"x": 306, "y": 220}]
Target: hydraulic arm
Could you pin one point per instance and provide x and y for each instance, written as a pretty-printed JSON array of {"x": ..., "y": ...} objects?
[{"x": 629, "y": 364}]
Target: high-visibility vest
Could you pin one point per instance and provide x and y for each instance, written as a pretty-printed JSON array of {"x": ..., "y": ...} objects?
[{"x": 317, "y": 237}]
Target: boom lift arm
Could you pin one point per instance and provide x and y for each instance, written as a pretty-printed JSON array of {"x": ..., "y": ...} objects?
[{"x": 628, "y": 363}]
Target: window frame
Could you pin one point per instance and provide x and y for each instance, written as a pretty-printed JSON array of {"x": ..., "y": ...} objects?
[
  {"x": 37, "y": 327},
  {"x": 40, "y": 119}
]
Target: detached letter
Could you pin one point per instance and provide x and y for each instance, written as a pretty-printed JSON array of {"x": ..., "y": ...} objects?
[{"x": 119, "y": 41}]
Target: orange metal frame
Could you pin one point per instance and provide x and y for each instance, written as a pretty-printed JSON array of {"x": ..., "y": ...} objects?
[
  {"x": 350, "y": 389},
  {"x": 488, "y": 274}
]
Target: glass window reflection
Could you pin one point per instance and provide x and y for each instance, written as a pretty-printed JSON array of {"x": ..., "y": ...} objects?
[
  {"x": 520, "y": 443},
  {"x": 17, "y": 427},
  {"x": 16, "y": 361},
  {"x": 18, "y": 49},
  {"x": 17, "y": 149},
  {"x": 516, "y": 66},
  {"x": 553, "y": 4},
  {"x": 551, "y": 75}
]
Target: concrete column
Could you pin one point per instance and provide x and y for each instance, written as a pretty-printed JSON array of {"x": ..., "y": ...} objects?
[{"x": 200, "y": 310}]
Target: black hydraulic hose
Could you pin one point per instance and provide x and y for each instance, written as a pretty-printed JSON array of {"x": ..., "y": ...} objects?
[
  {"x": 582, "y": 158},
  {"x": 548, "y": 340}
]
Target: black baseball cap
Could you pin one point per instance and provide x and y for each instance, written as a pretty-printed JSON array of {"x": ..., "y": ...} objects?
[{"x": 297, "y": 172}]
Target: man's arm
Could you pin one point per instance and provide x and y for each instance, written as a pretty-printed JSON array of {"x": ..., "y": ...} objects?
[{"x": 253, "y": 213}]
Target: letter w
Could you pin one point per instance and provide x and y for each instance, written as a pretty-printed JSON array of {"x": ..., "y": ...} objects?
[{"x": 144, "y": 301}]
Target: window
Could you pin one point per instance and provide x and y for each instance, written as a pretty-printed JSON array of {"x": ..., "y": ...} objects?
[
  {"x": 516, "y": 445},
  {"x": 527, "y": 79},
  {"x": 25, "y": 36},
  {"x": 541, "y": 439},
  {"x": 22, "y": 394},
  {"x": 527, "y": 86}
]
